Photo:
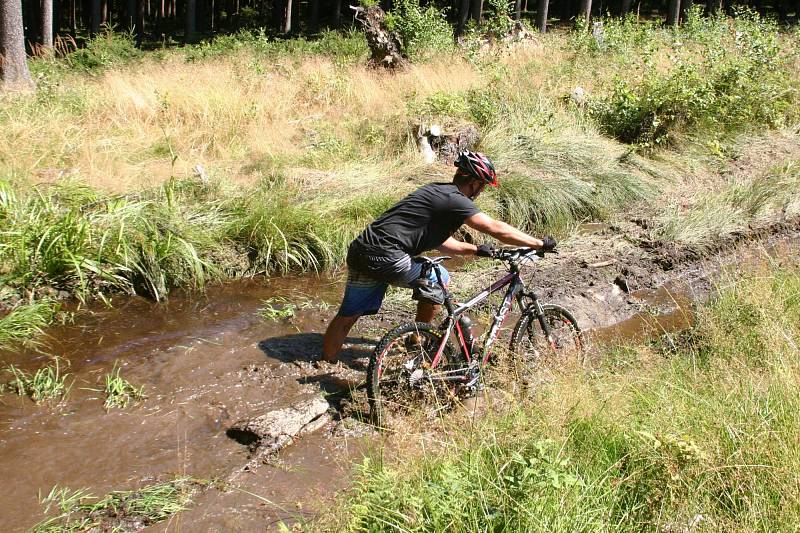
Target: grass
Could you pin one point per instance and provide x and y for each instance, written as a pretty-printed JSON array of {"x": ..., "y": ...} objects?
[
  {"x": 81, "y": 511},
  {"x": 276, "y": 309},
  {"x": 745, "y": 203},
  {"x": 120, "y": 392},
  {"x": 47, "y": 383},
  {"x": 25, "y": 322},
  {"x": 699, "y": 433}
]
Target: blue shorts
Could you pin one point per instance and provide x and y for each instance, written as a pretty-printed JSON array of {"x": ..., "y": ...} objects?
[{"x": 364, "y": 293}]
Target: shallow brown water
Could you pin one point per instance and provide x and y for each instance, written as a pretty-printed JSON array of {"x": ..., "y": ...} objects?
[{"x": 189, "y": 354}]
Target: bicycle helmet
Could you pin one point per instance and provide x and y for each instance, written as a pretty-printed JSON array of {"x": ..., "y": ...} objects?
[{"x": 477, "y": 166}]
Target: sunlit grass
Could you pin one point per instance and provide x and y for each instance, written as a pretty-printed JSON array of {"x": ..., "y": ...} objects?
[
  {"x": 26, "y": 322},
  {"x": 691, "y": 433}
]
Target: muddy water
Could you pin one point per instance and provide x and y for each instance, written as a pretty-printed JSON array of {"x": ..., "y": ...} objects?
[{"x": 189, "y": 354}]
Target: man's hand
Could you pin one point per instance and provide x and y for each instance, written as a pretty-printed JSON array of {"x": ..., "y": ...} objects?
[
  {"x": 485, "y": 250},
  {"x": 548, "y": 244}
]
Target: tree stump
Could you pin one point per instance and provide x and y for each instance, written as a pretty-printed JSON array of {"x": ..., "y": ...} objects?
[
  {"x": 444, "y": 143},
  {"x": 385, "y": 45}
]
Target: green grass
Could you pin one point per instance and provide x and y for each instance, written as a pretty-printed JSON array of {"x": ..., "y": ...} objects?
[
  {"x": 75, "y": 511},
  {"x": 276, "y": 309},
  {"x": 702, "y": 434},
  {"x": 25, "y": 322},
  {"x": 47, "y": 383},
  {"x": 119, "y": 392}
]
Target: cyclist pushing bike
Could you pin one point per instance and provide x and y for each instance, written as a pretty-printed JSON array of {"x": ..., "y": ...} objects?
[{"x": 424, "y": 220}]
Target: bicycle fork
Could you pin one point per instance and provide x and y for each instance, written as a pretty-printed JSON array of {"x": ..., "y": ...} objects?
[{"x": 538, "y": 311}]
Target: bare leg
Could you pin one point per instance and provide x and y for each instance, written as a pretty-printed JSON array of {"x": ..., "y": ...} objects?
[
  {"x": 335, "y": 335},
  {"x": 426, "y": 311}
]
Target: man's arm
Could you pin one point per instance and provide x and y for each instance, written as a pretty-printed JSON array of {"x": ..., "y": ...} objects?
[
  {"x": 456, "y": 247},
  {"x": 501, "y": 231}
]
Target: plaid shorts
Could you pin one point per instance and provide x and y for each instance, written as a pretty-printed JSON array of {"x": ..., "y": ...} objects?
[{"x": 364, "y": 293}]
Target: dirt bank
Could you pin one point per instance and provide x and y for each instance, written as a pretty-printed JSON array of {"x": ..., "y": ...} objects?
[{"x": 208, "y": 361}]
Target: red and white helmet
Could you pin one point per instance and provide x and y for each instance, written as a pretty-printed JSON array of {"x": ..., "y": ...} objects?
[{"x": 477, "y": 166}]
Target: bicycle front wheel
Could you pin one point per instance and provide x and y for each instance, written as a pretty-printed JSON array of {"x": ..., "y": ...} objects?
[
  {"x": 535, "y": 353},
  {"x": 400, "y": 377}
]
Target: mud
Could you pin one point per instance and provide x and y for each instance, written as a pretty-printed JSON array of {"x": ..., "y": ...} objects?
[{"x": 207, "y": 361}]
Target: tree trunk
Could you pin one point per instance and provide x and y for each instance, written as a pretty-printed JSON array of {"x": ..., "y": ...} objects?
[
  {"x": 337, "y": 13},
  {"x": 517, "y": 9},
  {"x": 141, "y": 6},
  {"x": 295, "y": 14},
  {"x": 191, "y": 20},
  {"x": 313, "y": 22},
  {"x": 476, "y": 11},
  {"x": 625, "y": 8},
  {"x": 104, "y": 12},
  {"x": 94, "y": 18},
  {"x": 130, "y": 14},
  {"x": 14, "y": 73},
  {"x": 541, "y": 15},
  {"x": 463, "y": 15},
  {"x": 673, "y": 12},
  {"x": 47, "y": 25},
  {"x": 287, "y": 26},
  {"x": 586, "y": 11}
]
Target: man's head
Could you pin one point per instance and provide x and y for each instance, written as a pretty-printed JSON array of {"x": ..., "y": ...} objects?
[{"x": 475, "y": 171}]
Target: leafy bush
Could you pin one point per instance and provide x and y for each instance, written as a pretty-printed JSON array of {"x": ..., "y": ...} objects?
[
  {"x": 345, "y": 47},
  {"x": 423, "y": 30},
  {"x": 107, "y": 49},
  {"x": 498, "y": 22},
  {"x": 736, "y": 83}
]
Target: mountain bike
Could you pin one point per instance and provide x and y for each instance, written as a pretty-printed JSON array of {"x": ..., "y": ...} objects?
[{"x": 418, "y": 364}]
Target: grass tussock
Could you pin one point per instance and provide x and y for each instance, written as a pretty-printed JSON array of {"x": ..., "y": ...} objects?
[
  {"x": 74, "y": 511},
  {"x": 741, "y": 204},
  {"x": 698, "y": 435},
  {"x": 47, "y": 383},
  {"x": 120, "y": 392},
  {"x": 25, "y": 322}
]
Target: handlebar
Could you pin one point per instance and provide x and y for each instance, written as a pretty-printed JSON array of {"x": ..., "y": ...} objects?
[{"x": 514, "y": 254}]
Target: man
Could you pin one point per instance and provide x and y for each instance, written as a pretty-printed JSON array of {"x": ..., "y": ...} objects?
[{"x": 424, "y": 220}]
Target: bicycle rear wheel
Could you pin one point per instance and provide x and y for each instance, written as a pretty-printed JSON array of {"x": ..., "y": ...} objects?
[
  {"x": 400, "y": 378},
  {"x": 536, "y": 354}
]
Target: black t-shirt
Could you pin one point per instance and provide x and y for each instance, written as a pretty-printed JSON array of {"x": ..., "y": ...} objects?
[{"x": 419, "y": 222}]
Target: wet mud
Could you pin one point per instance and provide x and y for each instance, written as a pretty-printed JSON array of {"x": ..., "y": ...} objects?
[{"x": 207, "y": 361}]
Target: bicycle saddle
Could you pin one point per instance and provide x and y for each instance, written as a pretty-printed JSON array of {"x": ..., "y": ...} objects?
[{"x": 432, "y": 260}]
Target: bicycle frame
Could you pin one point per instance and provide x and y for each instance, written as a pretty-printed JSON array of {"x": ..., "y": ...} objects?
[{"x": 516, "y": 290}]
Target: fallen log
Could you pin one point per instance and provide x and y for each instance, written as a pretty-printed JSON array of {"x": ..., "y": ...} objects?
[{"x": 273, "y": 431}]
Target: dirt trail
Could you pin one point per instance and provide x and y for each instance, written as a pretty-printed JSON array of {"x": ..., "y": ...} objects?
[{"x": 207, "y": 361}]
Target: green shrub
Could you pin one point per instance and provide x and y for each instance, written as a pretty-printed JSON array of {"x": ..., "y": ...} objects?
[
  {"x": 498, "y": 22},
  {"x": 107, "y": 49},
  {"x": 423, "y": 30},
  {"x": 737, "y": 83}
]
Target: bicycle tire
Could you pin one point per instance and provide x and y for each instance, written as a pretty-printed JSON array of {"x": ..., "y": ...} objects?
[
  {"x": 398, "y": 392},
  {"x": 530, "y": 347}
]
